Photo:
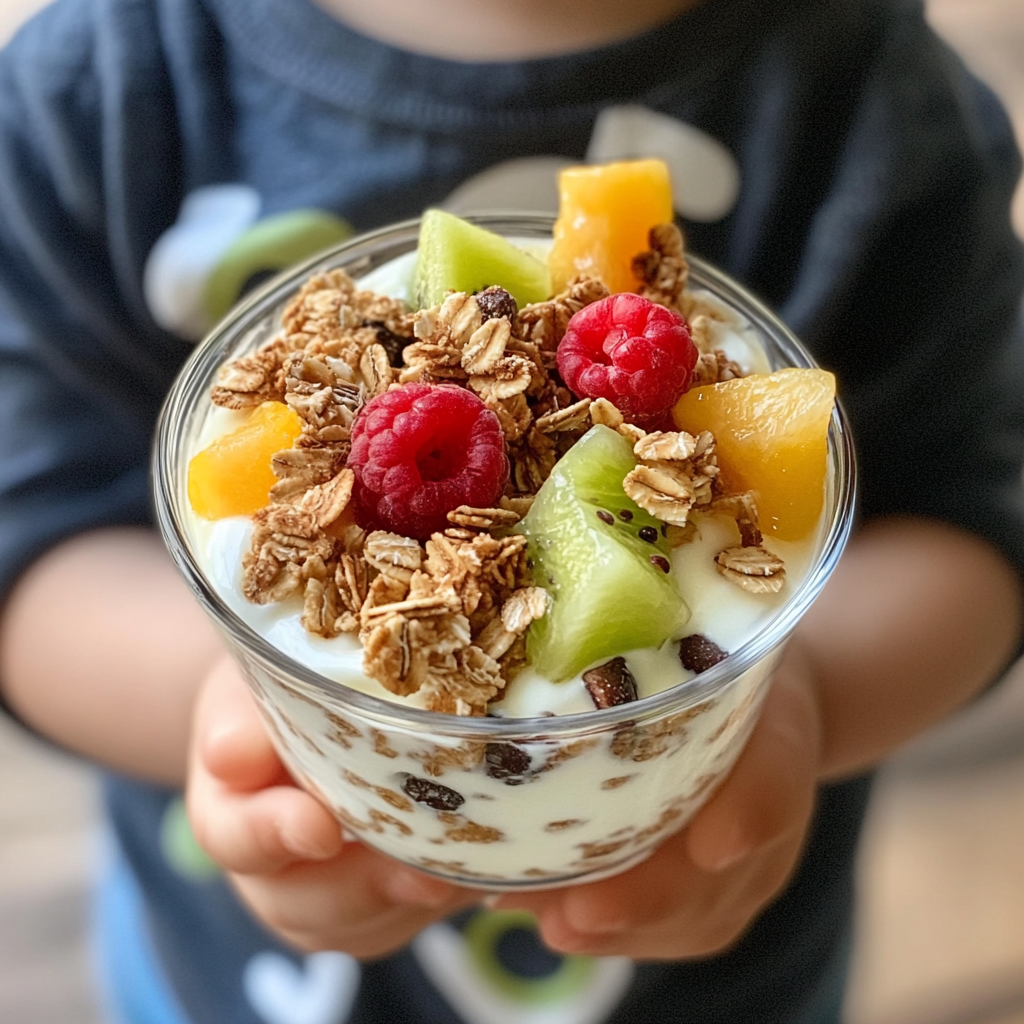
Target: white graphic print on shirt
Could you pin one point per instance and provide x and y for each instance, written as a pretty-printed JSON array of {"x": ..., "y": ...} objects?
[
  {"x": 321, "y": 991},
  {"x": 219, "y": 248}
]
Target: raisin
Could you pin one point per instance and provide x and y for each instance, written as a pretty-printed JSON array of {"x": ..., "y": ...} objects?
[
  {"x": 433, "y": 794},
  {"x": 610, "y": 684},
  {"x": 495, "y": 302},
  {"x": 391, "y": 342},
  {"x": 507, "y": 762},
  {"x": 698, "y": 653}
]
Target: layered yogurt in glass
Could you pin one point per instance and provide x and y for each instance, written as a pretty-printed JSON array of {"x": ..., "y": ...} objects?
[{"x": 545, "y": 781}]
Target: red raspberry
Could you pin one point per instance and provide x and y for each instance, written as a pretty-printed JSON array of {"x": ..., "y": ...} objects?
[
  {"x": 420, "y": 451},
  {"x": 633, "y": 352}
]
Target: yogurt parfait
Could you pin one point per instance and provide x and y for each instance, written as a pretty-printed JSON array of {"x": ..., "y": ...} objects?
[{"x": 507, "y": 523}]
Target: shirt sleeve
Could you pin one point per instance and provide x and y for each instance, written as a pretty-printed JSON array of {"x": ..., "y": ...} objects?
[
  {"x": 83, "y": 369},
  {"x": 910, "y": 289}
]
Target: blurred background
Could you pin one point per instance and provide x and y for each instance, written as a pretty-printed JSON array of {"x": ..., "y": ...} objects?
[{"x": 940, "y": 937}]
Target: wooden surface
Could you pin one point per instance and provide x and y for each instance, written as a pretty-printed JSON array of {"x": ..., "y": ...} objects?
[
  {"x": 941, "y": 930},
  {"x": 940, "y": 937},
  {"x": 48, "y": 840}
]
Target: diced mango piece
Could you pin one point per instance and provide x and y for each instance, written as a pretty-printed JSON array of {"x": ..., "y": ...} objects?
[
  {"x": 771, "y": 432},
  {"x": 605, "y": 215},
  {"x": 232, "y": 477}
]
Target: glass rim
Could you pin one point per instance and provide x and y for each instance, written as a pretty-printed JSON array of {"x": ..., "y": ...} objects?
[{"x": 199, "y": 371}]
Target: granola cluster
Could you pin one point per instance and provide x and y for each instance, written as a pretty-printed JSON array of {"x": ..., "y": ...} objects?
[{"x": 446, "y": 618}]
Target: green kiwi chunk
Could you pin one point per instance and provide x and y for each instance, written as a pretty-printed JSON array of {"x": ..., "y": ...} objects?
[
  {"x": 602, "y": 560},
  {"x": 455, "y": 255}
]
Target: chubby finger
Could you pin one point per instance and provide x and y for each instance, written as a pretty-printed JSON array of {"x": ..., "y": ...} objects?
[
  {"x": 770, "y": 791},
  {"x": 229, "y": 737},
  {"x": 259, "y": 832},
  {"x": 360, "y": 885},
  {"x": 361, "y": 902},
  {"x": 667, "y": 913},
  {"x": 244, "y": 809}
]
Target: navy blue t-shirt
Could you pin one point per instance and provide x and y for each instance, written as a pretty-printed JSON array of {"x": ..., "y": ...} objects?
[{"x": 831, "y": 154}]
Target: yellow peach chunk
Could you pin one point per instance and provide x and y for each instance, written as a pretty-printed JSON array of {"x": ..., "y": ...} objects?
[
  {"x": 232, "y": 477},
  {"x": 772, "y": 438},
  {"x": 605, "y": 215}
]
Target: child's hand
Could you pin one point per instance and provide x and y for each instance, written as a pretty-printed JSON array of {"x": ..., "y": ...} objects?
[
  {"x": 284, "y": 851},
  {"x": 702, "y": 888}
]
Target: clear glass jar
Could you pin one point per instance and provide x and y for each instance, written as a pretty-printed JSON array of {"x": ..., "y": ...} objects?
[{"x": 588, "y": 795}]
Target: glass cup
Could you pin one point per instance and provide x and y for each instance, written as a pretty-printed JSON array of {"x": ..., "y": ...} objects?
[{"x": 494, "y": 803}]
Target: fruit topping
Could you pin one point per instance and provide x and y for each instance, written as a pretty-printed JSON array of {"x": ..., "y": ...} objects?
[
  {"x": 610, "y": 684},
  {"x": 428, "y": 482},
  {"x": 433, "y": 794},
  {"x": 771, "y": 433},
  {"x": 605, "y": 217},
  {"x": 592, "y": 568},
  {"x": 698, "y": 653},
  {"x": 634, "y": 353},
  {"x": 232, "y": 477},
  {"x": 456, "y": 256},
  {"x": 419, "y": 452}
]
